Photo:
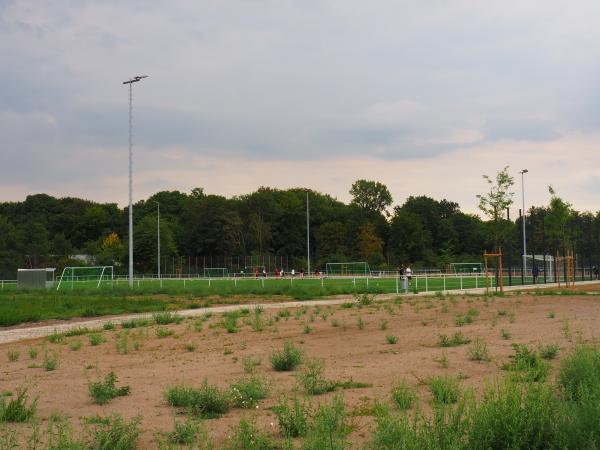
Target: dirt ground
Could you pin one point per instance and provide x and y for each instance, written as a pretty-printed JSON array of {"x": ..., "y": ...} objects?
[{"x": 349, "y": 352}]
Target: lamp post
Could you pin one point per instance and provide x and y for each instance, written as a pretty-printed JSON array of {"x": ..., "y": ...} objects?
[
  {"x": 523, "y": 172},
  {"x": 158, "y": 236},
  {"x": 307, "y": 235},
  {"x": 130, "y": 83}
]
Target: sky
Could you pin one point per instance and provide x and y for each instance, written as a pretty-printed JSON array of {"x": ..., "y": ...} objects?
[{"x": 425, "y": 97}]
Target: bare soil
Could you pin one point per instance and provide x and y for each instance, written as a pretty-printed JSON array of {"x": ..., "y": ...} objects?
[{"x": 349, "y": 353}]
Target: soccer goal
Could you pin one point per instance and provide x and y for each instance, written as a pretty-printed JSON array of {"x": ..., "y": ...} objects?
[
  {"x": 216, "y": 272},
  {"x": 544, "y": 263},
  {"x": 467, "y": 267},
  {"x": 347, "y": 269},
  {"x": 87, "y": 275}
]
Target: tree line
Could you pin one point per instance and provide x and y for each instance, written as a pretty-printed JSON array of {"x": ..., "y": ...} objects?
[{"x": 44, "y": 231}]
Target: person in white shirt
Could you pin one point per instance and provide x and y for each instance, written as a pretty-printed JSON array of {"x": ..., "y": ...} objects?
[{"x": 408, "y": 274}]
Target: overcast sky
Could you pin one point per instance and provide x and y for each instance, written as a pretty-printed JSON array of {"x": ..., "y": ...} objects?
[{"x": 423, "y": 96}]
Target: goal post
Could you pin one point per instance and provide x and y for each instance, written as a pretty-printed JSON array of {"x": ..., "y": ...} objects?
[
  {"x": 466, "y": 267},
  {"x": 347, "y": 269},
  {"x": 545, "y": 265},
  {"x": 93, "y": 275},
  {"x": 216, "y": 272}
]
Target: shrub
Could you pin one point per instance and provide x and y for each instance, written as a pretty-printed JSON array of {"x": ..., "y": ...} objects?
[
  {"x": 246, "y": 392},
  {"x": 104, "y": 390},
  {"x": 526, "y": 365},
  {"x": 166, "y": 318},
  {"x": 114, "y": 433},
  {"x": 207, "y": 401},
  {"x": 444, "y": 389},
  {"x": 292, "y": 416},
  {"x": 329, "y": 427},
  {"x": 365, "y": 299},
  {"x": 16, "y": 409},
  {"x": 185, "y": 432},
  {"x": 312, "y": 378},
  {"x": 390, "y": 339},
  {"x": 163, "y": 332},
  {"x": 56, "y": 337},
  {"x": 403, "y": 395},
  {"x": 287, "y": 359},
  {"x": 479, "y": 351},
  {"x": 579, "y": 373},
  {"x": 108, "y": 326}
]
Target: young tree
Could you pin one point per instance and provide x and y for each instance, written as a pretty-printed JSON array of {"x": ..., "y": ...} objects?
[
  {"x": 371, "y": 195},
  {"x": 494, "y": 203},
  {"x": 558, "y": 217},
  {"x": 370, "y": 245}
]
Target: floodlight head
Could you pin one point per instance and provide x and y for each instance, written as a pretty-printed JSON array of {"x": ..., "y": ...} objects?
[
  {"x": 135, "y": 79},
  {"x": 524, "y": 171}
]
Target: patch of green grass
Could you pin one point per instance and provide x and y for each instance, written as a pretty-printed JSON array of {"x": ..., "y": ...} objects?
[
  {"x": 108, "y": 326},
  {"x": 33, "y": 352},
  {"x": 403, "y": 395},
  {"x": 113, "y": 433},
  {"x": 527, "y": 365},
  {"x": 549, "y": 351},
  {"x": 16, "y": 408},
  {"x": 75, "y": 345},
  {"x": 208, "y": 401},
  {"x": 287, "y": 359},
  {"x": 185, "y": 433},
  {"x": 55, "y": 337},
  {"x": 505, "y": 334},
  {"x": 443, "y": 360},
  {"x": 250, "y": 364},
  {"x": 79, "y": 331},
  {"x": 191, "y": 347},
  {"x": 444, "y": 389},
  {"x": 13, "y": 355},
  {"x": 246, "y": 392},
  {"x": 360, "y": 323},
  {"x": 461, "y": 321},
  {"x": 329, "y": 428},
  {"x": 135, "y": 323},
  {"x": 102, "y": 391},
  {"x": 247, "y": 436},
  {"x": 123, "y": 343},
  {"x": 50, "y": 362},
  {"x": 306, "y": 329}
]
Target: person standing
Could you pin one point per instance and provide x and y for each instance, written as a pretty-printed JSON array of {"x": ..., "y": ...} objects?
[{"x": 408, "y": 274}]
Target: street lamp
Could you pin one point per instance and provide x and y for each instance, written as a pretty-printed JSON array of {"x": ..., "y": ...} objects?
[
  {"x": 130, "y": 83},
  {"x": 307, "y": 236},
  {"x": 523, "y": 172},
  {"x": 158, "y": 236}
]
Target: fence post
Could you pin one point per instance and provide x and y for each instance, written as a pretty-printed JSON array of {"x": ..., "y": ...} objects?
[
  {"x": 444, "y": 277},
  {"x": 184, "y": 283},
  {"x": 209, "y": 282},
  {"x": 354, "y": 282},
  {"x": 397, "y": 286},
  {"x": 262, "y": 281},
  {"x": 321, "y": 282},
  {"x": 426, "y": 283},
  {"x": 461, "y": 285},
  {"x": 417, "y": 283},
  {"x": 367, "y": 282}
]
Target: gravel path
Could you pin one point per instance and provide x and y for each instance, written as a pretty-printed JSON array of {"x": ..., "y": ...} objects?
[{"x": 37, "y": 331}]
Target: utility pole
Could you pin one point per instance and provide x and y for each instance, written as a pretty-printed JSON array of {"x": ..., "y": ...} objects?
[
  {"x": 523, "y": 172},
  {"x": 307, "y": 234}
]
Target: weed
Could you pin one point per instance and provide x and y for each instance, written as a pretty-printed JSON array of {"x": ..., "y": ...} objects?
[
  {"x": 502, "y": 312},
  {"x": 511, "y": 317},
  {"x": 479, "y": 351},
  {"x": 329, "y": 427},
  {"x": 306, "y": 329},
  {"x": 247, "y": 436},
  {"x": 460, "y": 321},
  {"x": 403, "y": 395},
  {"x": 135, "y": 323},
  {"x": 75, "y": 345},
  {"x": 312, "y": 378},
  {"x": 347, "y": 305},
  {"x": 33, "y": 352},
  {"x": 109, "y": 326},
  {"x": 443, "y": 360},
  {"x": 246, "y": 392},
  {"x": 391, "y": 339},
  {"x": 287, "y": 359},
  {"x": 13, "y": 355},
  {"x": 191, "y": 347},
  {"x": 104, "y": 390},
  {"x": 456, "y": 340},
  {"x": 360, "y": 323},
  {"x": 445, "y": 308},
  {"x": 50, "y": 361},
  {"x": 114, "y": 433},
  {"x": 185, "y": 432},
  {"x": 166, "y": 318},
  {"x": 123, "y": 343},
  {"x": 208, "y": 401},
  {"x": 335, "y": 323},
  {"x": 56, "y": 337},
  {"x": 549, "y": 351},
  {"x": 566, "y": 329},
  {"x": 227, "y": 351},
  {"x": 198, "y": 325},
  {"x": 551, "y": 315},
  {"x": 505, "y": 334},
  {"x": 96, "y": 339},
  {"x": 16, "y": 409},
  {"x": 163, "y": 332},
  {"x": 250, "y": 364},
  {"x": 285, "y": 313},
  {"x": 444, "y": 389},
  {"x": 526, "y": 365},
  {"x": 383, "y": 325},
  {"x": 257, "y": 323},
  {"x": 292, "y": 416}
]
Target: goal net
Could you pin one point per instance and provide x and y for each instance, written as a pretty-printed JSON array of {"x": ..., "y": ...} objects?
[
  {"x": 545, "y": 265},
  {"x": 216, "y": 272},
  {"x": 347, "y": 269},
  {"x": 467, "y": 267},
  {"x": 91, "y": 276}
]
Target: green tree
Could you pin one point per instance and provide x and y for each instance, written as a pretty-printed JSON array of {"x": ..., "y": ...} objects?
[
  {"x": 145, "y": 242},
  {"x": 371, "y": 195},
  {"x": 370, "y": 245},
  {"x": 494, "y": 202},
  {"x": 558, "y": 216},
  {"x": 410, "y": 241}
]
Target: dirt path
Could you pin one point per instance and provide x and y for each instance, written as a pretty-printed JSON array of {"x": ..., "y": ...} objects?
[{"x": 33, "y": 331}]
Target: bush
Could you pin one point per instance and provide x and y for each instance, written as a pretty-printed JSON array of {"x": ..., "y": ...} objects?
[
  {"x": 312, "y": 378},
  {"x": 549, "y": 351},
  {"x": 403, "y": 395},
  {"x": 246, "y": 392},
  {"x": 455, "y": 341},
  {"x": 165, "y": 318},
  {"x": 207, "y": 401},
  {"x": 16, "y": 409},
  {"x": 329, "y": 427},
  {"x": 135, "y": 323},
  {"x": 391, "y": 339},
  {"x": 96, "y": 339},
  {"x": 185, "y": 432},
  {"x": 247, "y": 436},
  {"x": 526, "y": 365},
  {"x": 163, "y": 332},
  {"x": 444, "y": 389},
  {"x": 50, "y": 362},
  {"x": 579, "y": 374},
  {"x": 103, "y": 391},
  {"x": 293, "y": 418},
  {"x": 287, "y": 359}
]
